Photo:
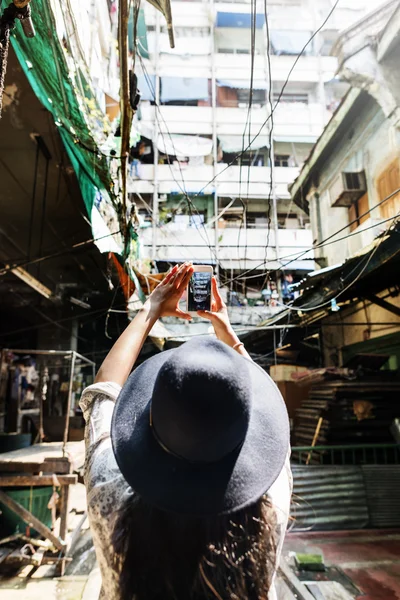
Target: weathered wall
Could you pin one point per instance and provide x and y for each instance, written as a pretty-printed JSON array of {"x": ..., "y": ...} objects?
[{"x": 370, "y": 143}]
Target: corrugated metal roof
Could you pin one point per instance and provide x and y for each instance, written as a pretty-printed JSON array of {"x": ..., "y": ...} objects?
[
  {"x": 341, "y": 497},
  {"x": 328, "y": 498}
]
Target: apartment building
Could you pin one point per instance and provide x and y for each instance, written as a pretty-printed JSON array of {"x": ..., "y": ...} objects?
[{"x": 211, "y": 174}]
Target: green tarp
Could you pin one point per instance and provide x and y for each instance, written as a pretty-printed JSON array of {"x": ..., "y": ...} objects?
[
  {"x": 43, "y": 61},
  {"x": 143, "y": 46}
]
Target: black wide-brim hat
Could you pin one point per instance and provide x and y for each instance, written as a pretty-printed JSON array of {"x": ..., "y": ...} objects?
[{"x": 200, "y": 430}]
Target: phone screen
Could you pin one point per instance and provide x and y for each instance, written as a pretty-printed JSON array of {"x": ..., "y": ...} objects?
[{"x": 199, "y": 291}]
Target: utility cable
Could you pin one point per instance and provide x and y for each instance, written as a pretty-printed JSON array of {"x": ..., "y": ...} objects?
[
  {"x": 324, "y": 243},
  {"x": 359, "y": 275}
]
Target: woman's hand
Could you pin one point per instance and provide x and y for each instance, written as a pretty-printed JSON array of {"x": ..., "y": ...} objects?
[
  {"x": 220, "y": 319},
  {"x": 164, "y": 301}
]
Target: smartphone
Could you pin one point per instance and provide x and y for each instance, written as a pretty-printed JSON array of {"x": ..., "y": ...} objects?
[{"x": 199, "y": 289}]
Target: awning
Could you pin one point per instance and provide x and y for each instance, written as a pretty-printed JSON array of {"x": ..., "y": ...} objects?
[
  {"x": 236, "y": 19},
  {"x": 243, "y": 84},
  {"x": 290, "y": 42},
  {"x": 164, "y": 6},
  {"x": 234, "y": 143},
  {"x": 184, "y": 145},
  {"x": 184, "y": 88},
  {"x": 147, "y": 86},
  {"x": 357, "y": 277}
]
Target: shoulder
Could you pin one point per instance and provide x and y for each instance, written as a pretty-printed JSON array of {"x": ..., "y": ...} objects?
[{"x": 107, "y": 390}]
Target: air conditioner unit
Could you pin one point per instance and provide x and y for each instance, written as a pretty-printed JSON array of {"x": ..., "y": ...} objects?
[{"x": 348, "y": 188}]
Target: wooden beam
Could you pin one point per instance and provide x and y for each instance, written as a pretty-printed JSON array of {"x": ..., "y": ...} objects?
[
  {"x": 64, "y": 511},
  {"x": 294, "y": 583},
  {"x": 31, "y": 520},
  {"x": 57, "y": 465},
  {"x": 384, "y": 304},
  {"x": 36, "y": 480}
]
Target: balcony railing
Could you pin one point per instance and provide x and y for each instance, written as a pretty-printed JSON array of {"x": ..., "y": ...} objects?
[
  {"x": 291, "y": 119},
  {"x": 174, "y": 179},
  {"x": 352, "y": 454},
  {"x": 238, "y": 248}
]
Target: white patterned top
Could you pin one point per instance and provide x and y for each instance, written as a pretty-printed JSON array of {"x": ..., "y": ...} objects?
[{"x": 106, "y": 487}]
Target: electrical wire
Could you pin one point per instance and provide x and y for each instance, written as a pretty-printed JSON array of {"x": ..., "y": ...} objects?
[
  {"x": 324, "y": 243},
  {"x": 270, "y": 141},
  {"x": 359, "y": 275},
  {"x": 189, "y": 201},
  {"x": 26, "y": 263},
  {"x": 253, "y": 17},
  {"x": 298, "y": 57},
  {"x": 273, "y": 108},
  {"x": 345, "y": 237}
]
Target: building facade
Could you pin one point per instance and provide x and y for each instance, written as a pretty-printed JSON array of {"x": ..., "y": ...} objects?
[
  {"x": 350, "y": 188},
  {"x": 211, "y": 180}
]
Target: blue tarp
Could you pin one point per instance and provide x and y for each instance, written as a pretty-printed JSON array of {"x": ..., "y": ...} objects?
[
  {"x": 242, "y": 20},
  {"x": 184, "y": 88},
  {"x": 243, "y": 84},
  {"x": 147, "y": 87}
]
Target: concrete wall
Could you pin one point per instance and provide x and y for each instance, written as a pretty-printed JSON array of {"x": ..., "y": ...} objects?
[{"x": 371, "y": 143}]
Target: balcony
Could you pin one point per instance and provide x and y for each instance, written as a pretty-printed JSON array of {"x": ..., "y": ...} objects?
[
  {"x": 173, "y": 179},
  {"x": 294, "y": 120},
  {"x": 307, "y": 70},
  {"x": 238, "y": 249}
]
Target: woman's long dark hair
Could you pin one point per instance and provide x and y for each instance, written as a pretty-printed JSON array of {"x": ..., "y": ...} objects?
[{"x": 161, "y": 556}]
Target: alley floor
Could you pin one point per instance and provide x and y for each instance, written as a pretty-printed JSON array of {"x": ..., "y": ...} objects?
[{"x": 361, "y": 565}]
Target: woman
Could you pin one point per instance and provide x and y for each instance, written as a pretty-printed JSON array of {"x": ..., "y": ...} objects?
[{"x": 187, "y": 475}]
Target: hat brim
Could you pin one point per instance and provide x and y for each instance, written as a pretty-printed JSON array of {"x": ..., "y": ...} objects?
[{"x": 179, "y": 486}]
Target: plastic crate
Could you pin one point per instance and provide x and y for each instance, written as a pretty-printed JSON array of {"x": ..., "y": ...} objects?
[{"x": 34, "y": 499}]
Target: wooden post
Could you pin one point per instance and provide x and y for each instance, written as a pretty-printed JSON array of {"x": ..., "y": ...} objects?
[
  {"x": 60, "y": 568},
  {"x": 71, "y": 381},
  {"x": 316, "y": 434},
  {"x": 30, "y": 519},
  {"x": 64, "y": 512},
  {"x": 126, "y": 111}
]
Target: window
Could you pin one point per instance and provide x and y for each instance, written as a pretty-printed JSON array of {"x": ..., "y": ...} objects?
[
  {"x": 282, "y": 160},
  {"x": 302, "y": 98},
  {"x": 357, "y": 210},
  {"x": 291, "y": 42},
  {"x": 258, "y": 98},
  {"x": 248, "y": 159},
  {"x": 388, "y": 182}
]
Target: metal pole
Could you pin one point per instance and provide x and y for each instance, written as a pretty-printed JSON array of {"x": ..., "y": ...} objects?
[
  {"x": 126, "y": 111},
  {"x": 269, "y": 107},
  {"x": 214, "y": 138},
  {"x": 71, "y": 381},
  {"x": 155, "y": 139}
]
